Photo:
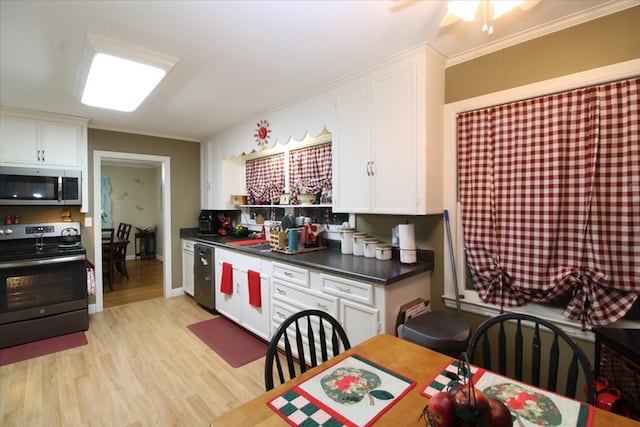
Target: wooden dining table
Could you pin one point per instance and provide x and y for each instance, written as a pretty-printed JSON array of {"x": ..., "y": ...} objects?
[{"x": 410, "y": 360}]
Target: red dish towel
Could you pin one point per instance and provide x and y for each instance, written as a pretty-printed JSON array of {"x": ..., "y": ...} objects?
[
  {"x": 254, "y": 288},
  {"x": 226, "y": 286}
]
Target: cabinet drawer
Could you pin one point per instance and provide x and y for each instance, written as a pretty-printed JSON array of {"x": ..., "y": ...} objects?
[
  {"x": 349, "y": 289},
  {"x": 308, "y": 298},
  {"x": 294, "y": 275},
  {"x": 187, "y": 245}
]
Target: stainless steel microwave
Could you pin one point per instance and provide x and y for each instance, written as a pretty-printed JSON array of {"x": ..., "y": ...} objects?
[{"x": 39, "y": 186}]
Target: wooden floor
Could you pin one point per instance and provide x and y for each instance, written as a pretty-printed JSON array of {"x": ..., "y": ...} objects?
[
  {"x": 144, "y": 282},
  {"x": 142, "y": 367}
]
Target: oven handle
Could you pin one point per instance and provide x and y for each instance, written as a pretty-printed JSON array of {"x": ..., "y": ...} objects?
[{"x": 36, "y": 262}]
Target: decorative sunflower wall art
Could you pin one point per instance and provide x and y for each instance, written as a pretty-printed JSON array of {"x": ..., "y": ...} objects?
[{"x": 262, "y": 133}]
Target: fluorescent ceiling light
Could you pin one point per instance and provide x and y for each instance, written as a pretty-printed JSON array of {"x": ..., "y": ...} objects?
[{"x": 117, "y": 76}]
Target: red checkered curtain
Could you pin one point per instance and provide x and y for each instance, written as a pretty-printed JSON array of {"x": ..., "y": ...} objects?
[
  {"x": 265, "y": 179},
  {"x": 550, "y": 196},
  {"x": 310, "y": 167}
]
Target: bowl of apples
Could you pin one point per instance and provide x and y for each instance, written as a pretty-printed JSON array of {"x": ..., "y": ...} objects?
[{"x": 461, "y": 404}]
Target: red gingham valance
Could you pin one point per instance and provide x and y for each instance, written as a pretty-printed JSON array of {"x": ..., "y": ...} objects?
[
  {"x": 550, "y": 196},
  {"x": 310, "y": 167},
  {"x": 265, "y": 179}
]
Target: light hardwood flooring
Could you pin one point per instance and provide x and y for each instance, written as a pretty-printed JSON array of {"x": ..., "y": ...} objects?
[
  {"x": 142, "y": 367},
  {"x": 144, "y": 282}
]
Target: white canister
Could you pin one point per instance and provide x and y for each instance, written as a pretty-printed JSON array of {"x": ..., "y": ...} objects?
[
  {"x": 358, "y": 243},
  {"x": 346, "y": 240},
  {"x": 370, "y": 244},
  {"x": 383, "y": 251}
]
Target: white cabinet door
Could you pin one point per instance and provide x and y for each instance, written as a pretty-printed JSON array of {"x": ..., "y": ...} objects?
[
  {"x": 256, "y": 319},
  {"x": 229, "y": 305},
  {"x": 359, "y": 321},
  {"x": 219, "y": 178},
  {"x": 19, "y": 140},
  {"x": 41, "y": 143},
  {"x": 61, "y": 144},
  {"x": 393, "y": 141},
  {"x": 351, "y": 151},
  {"x": 187, "y": 267},
  {"x": 236, "y": 306}
]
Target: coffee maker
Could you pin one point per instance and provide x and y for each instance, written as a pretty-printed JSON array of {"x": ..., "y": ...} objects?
[{"x": 208, "y": 222}]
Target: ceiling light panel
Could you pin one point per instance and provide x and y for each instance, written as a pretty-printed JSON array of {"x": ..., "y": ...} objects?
[{"x": 117, "y": 76}]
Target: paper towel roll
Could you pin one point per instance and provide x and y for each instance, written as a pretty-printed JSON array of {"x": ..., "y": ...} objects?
[{"x": 407, "y": 236}]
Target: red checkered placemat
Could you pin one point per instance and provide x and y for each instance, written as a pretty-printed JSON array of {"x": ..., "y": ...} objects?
[
  {"x": 532, "y": 405},
  {"x": 354, "y": 392}
]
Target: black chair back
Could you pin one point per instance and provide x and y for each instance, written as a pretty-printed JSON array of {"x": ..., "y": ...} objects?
[
  {"x": 307, "y": 338},
  {"x": 554, "y": 359}
]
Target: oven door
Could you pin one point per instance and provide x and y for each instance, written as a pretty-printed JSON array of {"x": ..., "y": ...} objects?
[{"x": 38, "y": 288}]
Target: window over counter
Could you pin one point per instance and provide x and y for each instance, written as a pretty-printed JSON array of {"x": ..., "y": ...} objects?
[
  {"x": 299, "y": 175},
  {"x": 265, "y": 179}
]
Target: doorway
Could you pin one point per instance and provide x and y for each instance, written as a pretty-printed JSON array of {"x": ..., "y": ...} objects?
[{"x": 101, "y": 158}]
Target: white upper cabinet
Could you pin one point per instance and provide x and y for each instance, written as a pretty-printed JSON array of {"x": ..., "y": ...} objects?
[
  {"x": 387, "y": 155},
  {"x": 42, "y": 141},
  {"x": 219, "y": 178}
]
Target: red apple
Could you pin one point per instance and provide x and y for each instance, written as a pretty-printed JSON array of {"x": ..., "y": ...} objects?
[
  {"x": 442, "y": 410},
  {"x": 499, "y": 414},
  {"x": 472, "y": 405}
]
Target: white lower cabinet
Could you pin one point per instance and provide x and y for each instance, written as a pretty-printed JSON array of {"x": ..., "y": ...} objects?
[
  {"x": 187, "y": 266},
  {"x": 359, "y": 321},
  {"x": 236, "y": 306},
  {"x": 364, "y": 309}
]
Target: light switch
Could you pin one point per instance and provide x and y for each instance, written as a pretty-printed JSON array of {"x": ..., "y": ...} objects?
[{"x": 88, "y": 221}]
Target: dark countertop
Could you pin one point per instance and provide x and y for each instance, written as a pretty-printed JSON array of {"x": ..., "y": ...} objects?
[{"x": 330, "y": 260}]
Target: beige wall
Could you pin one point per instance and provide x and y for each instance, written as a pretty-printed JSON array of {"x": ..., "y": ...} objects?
[
  {"x": 185, "y": 182},
  {"x": 605, "y": 41}
]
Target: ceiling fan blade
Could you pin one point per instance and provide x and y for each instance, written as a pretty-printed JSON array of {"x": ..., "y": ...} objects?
[
  {"x": 448, "y": 19},
  {"x": 528, "y": 4},
  {"x": 399, "y": 5}
]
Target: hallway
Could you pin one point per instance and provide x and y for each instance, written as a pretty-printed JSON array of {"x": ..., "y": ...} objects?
[{"x": 144, "y": 282}]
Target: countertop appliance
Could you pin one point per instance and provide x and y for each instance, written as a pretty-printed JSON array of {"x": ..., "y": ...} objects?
[
  {"x": 43, "y": 282},
  {"x": 204, "y": 275},
  {"x": 208, "y": 222}
]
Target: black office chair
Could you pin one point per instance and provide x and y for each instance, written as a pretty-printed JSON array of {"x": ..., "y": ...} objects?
[
  {"x": 324, "y": 335},
  {"x": 558, "y": 356}
]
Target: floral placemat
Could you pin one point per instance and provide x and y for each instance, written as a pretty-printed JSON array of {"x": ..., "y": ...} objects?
[
  {"x": 353, "y": 392},
  {"x": 531, "y": 405}
]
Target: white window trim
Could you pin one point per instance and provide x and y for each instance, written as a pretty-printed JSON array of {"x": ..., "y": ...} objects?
[{"x": 469, "y": 299}]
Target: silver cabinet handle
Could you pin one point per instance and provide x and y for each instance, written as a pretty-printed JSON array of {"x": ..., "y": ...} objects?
[
  {"x": 281, "y": 291},
  {"x": 373, "y": 168},
  {"x": 280, "y": 315},
  {"x": 345, "y": 290},
  {"x": 369, "y": 168},
  {"x": 286, "y": 273},
  {"x": 322, "y": 306}
]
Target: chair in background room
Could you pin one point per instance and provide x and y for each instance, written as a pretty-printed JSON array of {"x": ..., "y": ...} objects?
[
  {"x": 120, "y": 244},
  {"x": 300, "y": 336},
  {"x": 107, "y": 256},
  {"x": 556, "y": 357}
]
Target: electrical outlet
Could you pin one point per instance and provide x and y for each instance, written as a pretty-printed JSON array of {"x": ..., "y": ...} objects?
[{"x": 88, "y": 221}]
